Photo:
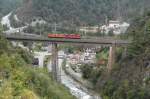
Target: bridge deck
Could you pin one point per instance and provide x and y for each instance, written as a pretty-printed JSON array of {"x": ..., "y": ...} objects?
[{"x": 105, "y": 41}]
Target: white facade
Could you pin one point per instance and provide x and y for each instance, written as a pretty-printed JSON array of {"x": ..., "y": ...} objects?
[
  {"x": 92, "y": 29},
  {"x": 116, "y": 26}
]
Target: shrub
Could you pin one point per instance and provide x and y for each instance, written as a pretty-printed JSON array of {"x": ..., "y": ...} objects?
[{"x": 6, "y": 91}]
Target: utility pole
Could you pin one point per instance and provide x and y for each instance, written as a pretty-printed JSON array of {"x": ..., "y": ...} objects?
[
  {"x": 55, "y": 25},
  {"x": 106, "y": 20},
  {"x": 145, "y": 31},
  {"x": 40, "y": 30},
  {"x": 85, "y": 31}
]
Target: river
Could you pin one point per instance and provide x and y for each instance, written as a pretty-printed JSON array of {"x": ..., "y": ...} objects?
[{"x": 75, "y": 88}]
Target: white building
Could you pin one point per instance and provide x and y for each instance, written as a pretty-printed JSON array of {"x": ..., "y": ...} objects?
[
  {"x": 113, "y": 25},
  {"x": 116, "y": 26},
  {"x": 89, "y": 29}
]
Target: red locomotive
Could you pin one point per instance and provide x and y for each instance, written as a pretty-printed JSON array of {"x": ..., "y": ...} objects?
[{"x": 66, "y": 36}]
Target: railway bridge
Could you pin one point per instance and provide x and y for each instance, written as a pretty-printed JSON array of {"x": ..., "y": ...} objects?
[{"x": 112, "y": 43}]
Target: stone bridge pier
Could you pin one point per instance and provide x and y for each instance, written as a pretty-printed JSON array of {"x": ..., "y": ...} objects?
[
  {"x": 55, "y": 68},
  {"x": 111, "y": 58}
]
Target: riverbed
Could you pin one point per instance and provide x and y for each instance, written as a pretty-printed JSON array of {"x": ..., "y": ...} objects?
[{"x": 75, "y": 88}]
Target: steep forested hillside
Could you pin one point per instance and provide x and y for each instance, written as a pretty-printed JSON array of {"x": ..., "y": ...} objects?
[
  {"x": 81, "y": 11},
  {"x": 8, "y": 5},
  {"x": 130, "y": 77}
]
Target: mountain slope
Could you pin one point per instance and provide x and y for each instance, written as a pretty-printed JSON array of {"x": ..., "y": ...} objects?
[
  {"x": 7, "y": 6},
  {"x": 81, "y": 11}
]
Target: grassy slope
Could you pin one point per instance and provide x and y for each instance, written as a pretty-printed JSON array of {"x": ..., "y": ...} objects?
[{"x": 19, "y": 80}]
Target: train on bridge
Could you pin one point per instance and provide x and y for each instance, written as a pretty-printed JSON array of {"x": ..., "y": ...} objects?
[{"x": 66, "y": 36}]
